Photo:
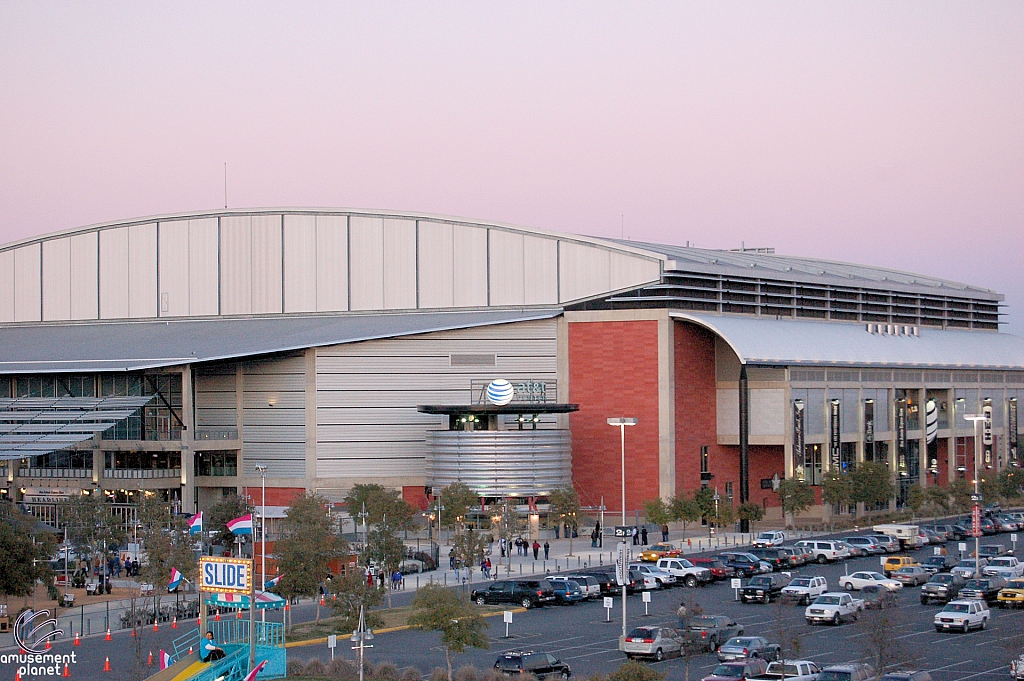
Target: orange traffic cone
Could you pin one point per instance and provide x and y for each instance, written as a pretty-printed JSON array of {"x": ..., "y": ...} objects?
[
  {"x": 133, "y": 632},
  {"x": 78, "y": 640},
  {"x": 67, "y": 672},
  {"x": 106, "y": 665},
  {"x": 48, "y": 646},
  {"x": 216, "y": 618},
  {"x": 287, "y": 605},
  {"x": 108, "y": 635},
  {"x": 149, "y": 662},
  {"x": 17, "y": 674},
  {"x": 239, "y": 614},
  {"x": 190, "y": 650},
  {"x": 174, "y": 623},
  {"x": 155, "y": 627},
  {"x": 321, "y": 599}
]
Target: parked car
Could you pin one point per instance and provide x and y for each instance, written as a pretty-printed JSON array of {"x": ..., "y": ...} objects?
[
  {"x": 588, "y": 584},
  {"x": 888, "y": 542},
  {"x": 953, "y": 532},
  {"x": 684, "y": 571},
  {"x": 1006, "y": 567},
  {"x": 638, "y": 582},
  {"x": 911, "y": 575},
  {"x": 711, "y": 630},
  {"x": 778, "y": 559},
  {"x": 825, "y": 551},
  {"x": 763, "y": 589},
  {"x": 541, "y": 665},
  {"x": 908, "y": 675},
  {"x": 869, "y": 544},
  {"x": 770, "y": 538},
  {"x": 411, "y": 566},
  {"x": 803, "y": 590},
  {"x": 653, "y": 642},
  {"x": 967, "y": 568},
  {"x": 655, "y": 551},
  {"x": 856, "y": 671},
  {"x": 834, "y": 607},
  {"x": 741, "y": 647},
  {"x": 1005, "y": 523},
  {"x": 791, "y": 670},
  {"x": 855, "y": 551},
  {"x": 745, "y": 564},
  {"x": 567, "y": 592},
  {"x": 942, "y": 587},
  {"x": 795, "y": 556},
  {"x": 1011, "y": 595},
  {"x": 991, "y": 551},
  {"x": 986, "y": 588},
  {"x": 719, "y": 568},
  {"x": 894, "y": 563},
  {"x": 877, "y": 597},
  {"x": 989, "y": 526},
  {"x": 962, "y": 615},
  {"x": 660, "y": 576},
  {"x": 935, "y": 564},
  {"x": 858, "y": 580},
  {"x": 738, "y": 670},
  {"x": 529, "y": 593},
  {"x": 605, "y": 581}
]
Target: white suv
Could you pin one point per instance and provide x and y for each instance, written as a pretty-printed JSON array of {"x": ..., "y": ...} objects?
[
  {"x": 660, "y": 576},
  {"x": 825, "y": 551},
  {"x": 770, "y": 538},
  {"x": 803, "y": 590},
  {"x": 685, "y": 571},
  {"x": 962, "y": 615}
]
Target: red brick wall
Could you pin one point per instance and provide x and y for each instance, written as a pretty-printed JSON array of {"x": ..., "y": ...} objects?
[
  {"x": 613, "y": 371},
  {"x": 415, "y": 496},
  {"x": 276, "y": 496}
]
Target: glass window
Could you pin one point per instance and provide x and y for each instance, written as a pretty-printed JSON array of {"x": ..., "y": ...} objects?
[
  {"x": 217, "y": 463},
  {"x": 810, "y": 471},
  {"x": 815, "y": 419}
]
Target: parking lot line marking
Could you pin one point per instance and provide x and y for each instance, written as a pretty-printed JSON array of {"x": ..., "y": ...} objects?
[
  {"x": 990, "y": 671},
  {"x": 955, "y": 664}
]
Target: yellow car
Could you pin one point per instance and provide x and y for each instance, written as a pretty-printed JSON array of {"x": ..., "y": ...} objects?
[
  {"x": 1011, "y": 595},
  {"x": 894, "y": 563},
  {"x": 657, "y": 551}
]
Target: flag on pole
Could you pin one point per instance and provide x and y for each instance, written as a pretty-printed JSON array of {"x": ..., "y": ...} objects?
[
  {"x": 195, "y": 525},
  {"x": 165, "y": 659},
  {"x": 241, "y": 525},
  {"x": 271, "y": 583},
  {"x": 251, "y": 676},
  {"x": 176, "y": 578}
]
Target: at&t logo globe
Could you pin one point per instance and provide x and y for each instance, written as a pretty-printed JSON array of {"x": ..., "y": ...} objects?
[{"x": 500, "y": 392}]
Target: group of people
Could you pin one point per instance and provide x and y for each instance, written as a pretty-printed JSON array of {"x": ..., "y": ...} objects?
[{"x": 523, "y": 547}]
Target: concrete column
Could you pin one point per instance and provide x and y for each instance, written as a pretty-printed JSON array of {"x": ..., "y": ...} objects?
[
  {"x": 666, "y": 407},
  {"x": 188, "y": 435}
]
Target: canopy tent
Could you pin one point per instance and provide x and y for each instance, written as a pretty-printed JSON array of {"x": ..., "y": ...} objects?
[
  {"x": 34, "y": 426},
  {"x": 265, "y": 600}
]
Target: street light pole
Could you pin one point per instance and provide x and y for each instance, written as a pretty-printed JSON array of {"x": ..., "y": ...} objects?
[
  {"x": 262, "y": 470},
  {"x": 622, "y": 422},
  {"x": 360, "y": 636},
  {"x": 976, "y": 497}
]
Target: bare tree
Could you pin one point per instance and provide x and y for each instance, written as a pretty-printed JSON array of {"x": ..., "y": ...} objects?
[{"x": 885, "y": 651}]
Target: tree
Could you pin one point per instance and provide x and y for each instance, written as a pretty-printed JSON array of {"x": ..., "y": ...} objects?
[
  {"x": 704, "y": 498},
  {"x": 1011, "y": 482},
  {"x": 457, "y": 498},
  {"x": 91, "y": 526},
  {"x": 384, "y": 549},
  {"x": 350, "y": 592},
  {"x": 684, "y": 509},
  {"x": 751, "y": 512},
  {"x": 872, "y": 483},
  {"x": 564, "y": 505},
  {"x": 215, "y": 519},
  {"x": 470, "y": 547},
  {"x": 657, "y": 511},
  {"x": 307, "y": 545},
  {"x": 635, "y": 671},
  {"x": 435, "y": 608},
  {"x": 915, "y": 498},
  {"x": 166, "y": 540},
  {"x": 379, "y": 503},
  {"x": 959, "y": 496},
  {"x": 836, "y": 490},
  {"x": 23, "y": 554},
  {"x": 884, "y": 650},
  {"x": 794, "y": 496},
  {"x": 936, "y": 500}
]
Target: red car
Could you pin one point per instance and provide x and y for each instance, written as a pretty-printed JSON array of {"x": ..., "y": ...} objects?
[
  {"x": 719, "y": 570},
  {"x": 740, "y": 670}
]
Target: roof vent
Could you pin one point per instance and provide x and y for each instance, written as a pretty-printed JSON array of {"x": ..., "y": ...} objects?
[{"x": 894, "y": 330}]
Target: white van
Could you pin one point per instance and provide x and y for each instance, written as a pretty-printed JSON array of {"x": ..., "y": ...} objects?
[{"x": 907, "y": 534}]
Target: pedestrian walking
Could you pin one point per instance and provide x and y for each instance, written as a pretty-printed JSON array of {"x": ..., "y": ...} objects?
[
  {"x": 593, "y": 539},
  {"x": 547, "y": 549},
  {"x": 502, "y": 546},
  {"x": 451, "y": 559},
  {"x": 664, "y": 532},
  {"x": 536, "y": 549},
  {"x": 636, "y": 536},
  {"x": 643, "y": 536}
]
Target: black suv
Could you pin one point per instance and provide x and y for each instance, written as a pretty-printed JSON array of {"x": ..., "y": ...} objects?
[
  {"x": 605, "y": 580},
  {"x": 771, "y": 555},
  {"x": 942, "y": 587},
  {"x": 763, "y": 588},
  {"x": 541, "y": 665},
  {"x": 986, "y": 588},
  {"x": 529, "y": 593}
]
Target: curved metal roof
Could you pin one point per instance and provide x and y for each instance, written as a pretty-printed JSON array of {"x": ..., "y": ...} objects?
[{"x": 783, "y": 342}]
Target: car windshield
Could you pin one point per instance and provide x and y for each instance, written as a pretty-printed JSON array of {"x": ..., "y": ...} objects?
[
  {"x": 966, "y": 564},
  {"x": 703, "y": 622},
  {"x": 1000, "y": 562},
  {"x": 800, "y": 582},
  {"x": 827, "y": 600},
  {"x": 976, "y": 584},
  {"x": 872, "y": 590},
  {"x": 686, "y": 563},
  {"x": 642, "y": 632},
  {"x": 732, "y": 671},
  {"x": 765, "y": 535},
  {"x": 741, "y": 642},
  {"x": 760, "y": 581},
  {"x": 832, "y": 675},
  {"x": 941, "y": 579},
  {"x": 957, "y": 607},
  {"x": 935, "y": 560}
]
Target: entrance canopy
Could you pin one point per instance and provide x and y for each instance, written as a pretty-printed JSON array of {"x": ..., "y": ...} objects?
[
  {"x": 34, "y": 426},
  {"x": 264, "y": 601}
]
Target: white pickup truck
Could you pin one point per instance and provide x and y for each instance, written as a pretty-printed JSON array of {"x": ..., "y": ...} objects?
[
  {"x": 1006, "y": 567},
  {"x": 834, "y": 607},
  {"x": 685, "y": 571},
  {"x": 803, "y": 590},
  {"x": 790, "y": 670}
]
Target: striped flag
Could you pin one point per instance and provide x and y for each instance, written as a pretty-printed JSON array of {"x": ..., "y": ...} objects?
[
  {"x": 176, "y": 578},
  {"x": 165, "y": 659},
  {"x": 241, "y": 525},
  {"x": 251, "y": 676},
  {"x": 195, "y": 525},
  {"x": 271, "y": 583}
]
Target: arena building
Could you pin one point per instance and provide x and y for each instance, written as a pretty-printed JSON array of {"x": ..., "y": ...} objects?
[{"x": 199, "y": 355}]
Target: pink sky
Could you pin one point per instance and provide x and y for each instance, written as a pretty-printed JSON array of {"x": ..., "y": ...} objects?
[{"x": 879, "y": 133}]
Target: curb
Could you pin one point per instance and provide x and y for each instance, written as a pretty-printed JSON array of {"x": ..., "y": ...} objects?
[{"x": 387, "y": 630}]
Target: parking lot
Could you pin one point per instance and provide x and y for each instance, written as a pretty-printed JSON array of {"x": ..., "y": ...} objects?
[{"x": 581, "y": 636}]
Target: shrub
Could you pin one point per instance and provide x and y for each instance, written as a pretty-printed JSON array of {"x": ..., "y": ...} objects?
[
  {"x": 438, "y": 674},
  {"x": 466, "y": 673},
  {"x": 341, "y": 670},
  {"x": 386, "y": 671},
  {"x": 634, "y": 671},
  {"x": 294, "y": 668},
  {"x": 314, "y": 668},
  {"x": 411, "y": 674}
]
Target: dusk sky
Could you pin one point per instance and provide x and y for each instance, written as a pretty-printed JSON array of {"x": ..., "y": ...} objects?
[{"x": 888, "y": 133}]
